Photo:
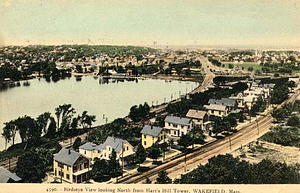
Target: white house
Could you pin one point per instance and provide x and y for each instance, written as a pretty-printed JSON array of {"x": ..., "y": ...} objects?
[
  {"x": 122, "y": 148},
  {"x": 178, "y": 126}
]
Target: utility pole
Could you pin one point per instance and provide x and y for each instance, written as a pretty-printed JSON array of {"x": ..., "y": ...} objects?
[
  {"x": 8, "y": 164},
  {"x": 122, "y": 159},
  {"x": 229, "y": 142},
  {"x": 164, "y": 136},
  {"x": 257, "y": 126}
]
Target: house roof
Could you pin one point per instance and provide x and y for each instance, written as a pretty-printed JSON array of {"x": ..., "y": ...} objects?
[
  {"x": 178, "y": 120},
  {"x": 6, "y": 175},
  {"x": 151, "y": 130},
  {"x": 228, "y": 102},
  {"x": 67, "y": 156},
  {"x": 197, "y": 114},
  {"x": 215, "y": 107},
  {"x": 271, "y": 85},
  {"x": 91, "y": 146},
  {"x": 115, "y": 143}
]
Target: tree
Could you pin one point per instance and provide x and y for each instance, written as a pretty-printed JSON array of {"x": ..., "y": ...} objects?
[
  {"x": 100, "y": 171},
  {"x": 114, "y": 165},
  {"x": 51, "y": 129},
  {"x": 31, "y": 167},
  {"x": 28, "y": 129},
  {"x": 279, "y": 94},
  {"x": 140, "y": 154},
  {"x": 293, "y": 121},
  {"x": 77, "y": 143},
  {"x": 259, "y": 106},
  {"x": 185, "y": 141},
  {"x": 9, "y": 131},
  {"x": 64, "y": 112},
  {"x": 6, "y": 133},
  {"x": 86, "y": 120},
  {"x": 42, "y": 121},
  {"x": 163, "y": 178},
  {"x": 153, "y": 151}
]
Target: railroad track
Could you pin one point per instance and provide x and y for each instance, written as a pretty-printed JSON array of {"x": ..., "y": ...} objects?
[
  {"x": 9, "y": 164},
  {"x": 201, "y": 154},
  {"x": 207, "y": 151}
]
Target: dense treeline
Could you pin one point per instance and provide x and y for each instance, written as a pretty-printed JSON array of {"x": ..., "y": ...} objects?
[
  {"x": 225, "y": 169},
  {"x": 44, "y": 128},
  {"x": 138, "y": 113},
  {"x": 117, "y": 128},
  {"x": 198, "y": 100},
  {"x": 283, "y": 136}
]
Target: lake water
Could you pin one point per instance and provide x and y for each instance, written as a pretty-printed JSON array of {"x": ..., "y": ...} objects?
[{"x": 113, "y": 99}]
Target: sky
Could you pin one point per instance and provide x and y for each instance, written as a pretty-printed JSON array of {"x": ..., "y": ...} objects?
[{"x": 150, "y": 22}]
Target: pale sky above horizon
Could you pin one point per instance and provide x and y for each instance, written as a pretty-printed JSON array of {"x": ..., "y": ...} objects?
[{"x": 143, "y": 22}]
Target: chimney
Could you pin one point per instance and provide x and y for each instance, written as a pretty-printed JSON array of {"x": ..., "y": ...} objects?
[{"x": 69, "y": 151}]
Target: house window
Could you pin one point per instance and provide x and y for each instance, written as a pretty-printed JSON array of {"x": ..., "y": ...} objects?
[
  {"x": 68, "y": 176},
  {"x": 145, "y": 136},
  {"x": 55, "y": 172},
  {"x": 59, "y": 173},
  {"x": 108, "y": 148},
  {"x": 219, "y": 112},
  {"x": 144, "y": 142},
  {"x": 86, "y": 165},
  {"x": 104, "y": 154},
  {"x": 127, "y": 148},
  {"x": 123, "y": 148},
  {"x": 62, "y": 174},
  {"x": 212, "y": 111},
  {"x": 75, "y": 168},
  {"x": 98, "y": 151},
  {"x": 67, "y": 168},
  {"x": 174, "y": 125},
  {"x": 152, "y": 138},
  {"x": 80, "y": 167},
  {"x": 84, "y": 152}
]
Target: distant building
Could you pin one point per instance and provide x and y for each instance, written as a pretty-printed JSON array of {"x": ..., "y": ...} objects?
[
  {"x": 71, "y": 166},
  {"x": 151, "y": 135},
  {"x": 178, "y": 126},
  {"x": 199, "y": 118},
  {"x": 8, "y": 177}
]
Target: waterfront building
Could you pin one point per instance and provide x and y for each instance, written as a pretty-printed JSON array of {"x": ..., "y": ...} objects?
[{"x": 151, "y": 135}]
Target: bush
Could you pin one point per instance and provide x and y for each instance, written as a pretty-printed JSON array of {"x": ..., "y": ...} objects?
[
  {"x": 157, "y": 162},
  {"x": 143, "y": 169},
  {"x": 293, "y": 121}
]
